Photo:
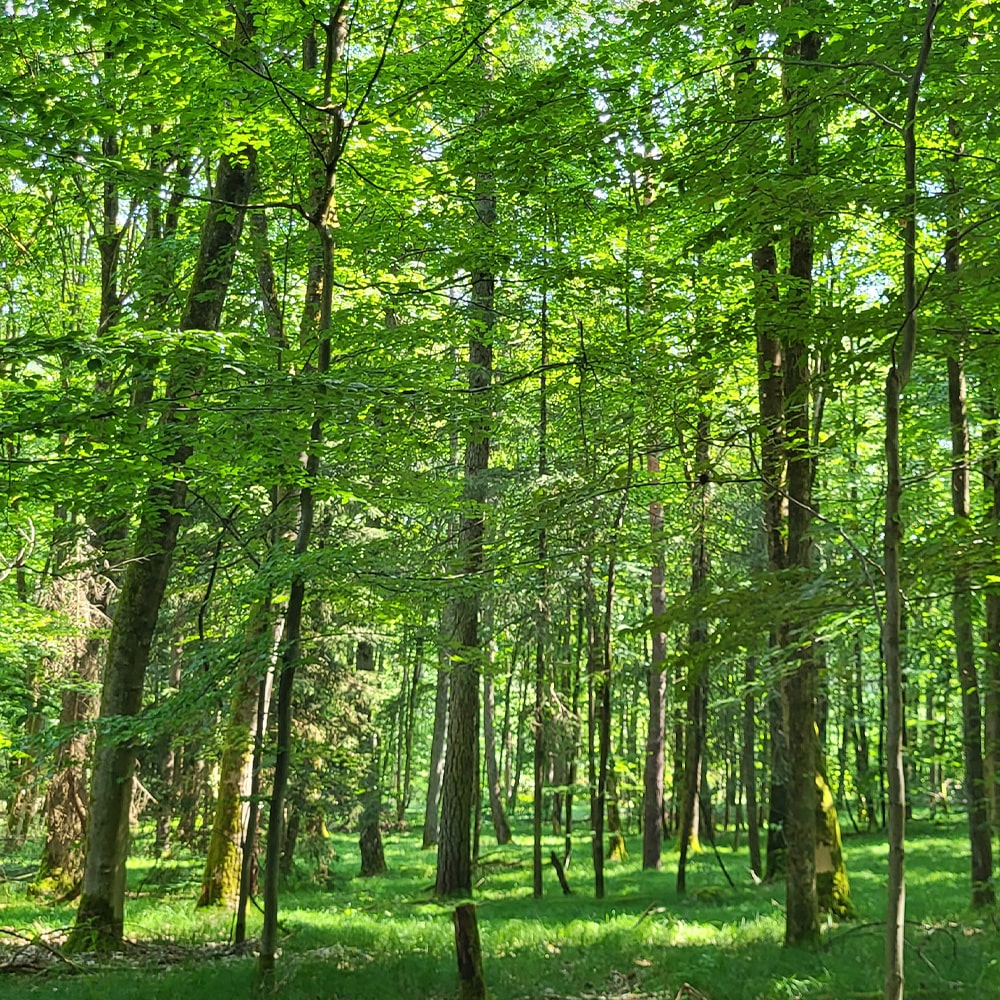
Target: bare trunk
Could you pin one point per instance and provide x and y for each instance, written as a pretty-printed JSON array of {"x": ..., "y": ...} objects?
[
  {"x": 800, "y": 680},
  {"x": 500, "y": 826},
  {"x": 223, "y": 864},
  {"x": 991, "y": 665},
  {"x": 699, "y": 478},
  {"x": 899, "y": 374},
  {"x": 433, "y": 804},
  {"x": 979, "y": 830},
  {"x": 454, "y": 868},
  {"x": 749, "y": 766},
  {"x": 61, "y": 867},
  {"x": 980, "y": 838},
  {"x": 652, "y": 829}
]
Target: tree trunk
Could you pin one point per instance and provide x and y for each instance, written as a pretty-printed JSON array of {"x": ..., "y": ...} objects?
[
  {"x": 979, "y": 830},
  {"x": 800, "y": 678},
  {"x": 100, "y": 917},
  {"x": 895, "y": 383},
  {"x": 328, "y": 146},
  {"x": 980, "y": 838},
  {"x": 370, "y": 831},
  {"x": 500, "y": 825},
  {"x": 991, "y": 663},
  {"x": 699, "y": 480},
  {"x": 412, "y": 698},
  {"x": 223, "y": 864},
  {"x": 436, "y": 771},
  {"x": 454, "y": 868},
  {"x": 61, "y": 867},
  {"x": 541, "y": 623},
  {"x": 652, "y": 797},
  {"x": 593, "y": 733},
  {"x": 749, "y": 766}
]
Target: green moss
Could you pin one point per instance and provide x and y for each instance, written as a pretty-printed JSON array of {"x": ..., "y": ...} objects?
[{"x": 832, "y": 887}]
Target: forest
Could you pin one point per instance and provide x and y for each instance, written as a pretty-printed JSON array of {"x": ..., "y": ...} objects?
[{"x": 528, "y": 469}]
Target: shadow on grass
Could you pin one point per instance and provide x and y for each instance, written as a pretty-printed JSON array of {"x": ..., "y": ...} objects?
[{"x": 388, "y": 938}]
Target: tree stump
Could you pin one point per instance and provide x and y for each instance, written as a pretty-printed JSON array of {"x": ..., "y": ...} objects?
[{"x": 471, "y": 985}]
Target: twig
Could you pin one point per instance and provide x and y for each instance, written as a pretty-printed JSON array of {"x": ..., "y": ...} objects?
[{"x": 40, "y": 943}]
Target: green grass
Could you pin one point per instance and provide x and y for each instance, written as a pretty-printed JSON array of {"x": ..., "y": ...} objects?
[{"x": 388, "y": 937}]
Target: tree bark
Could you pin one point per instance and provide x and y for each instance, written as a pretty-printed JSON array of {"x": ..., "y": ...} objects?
[
  {"x": 223, "y": 863},
  {"x": 898, "y": 376},
  {"x": 991, "y": 665},
  {"x": 436, "y": 770},
  {"x": 370, "y": 830},
  {"x": 61, "y": 866},
  {"x": 979, "y": 830},
  {"x": 652, "y": 798},
  {"x": 500, "y": 825},
  {"x": 980, "y": 840},
  {"x": 749, "y": 766},
  {"x": 454, "y": 868},
  {"x": 697, "y": 669},
  {"x": 800, "y": 677}
]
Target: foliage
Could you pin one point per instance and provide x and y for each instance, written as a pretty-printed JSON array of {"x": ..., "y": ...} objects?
[{"x": 357, "y": 936}]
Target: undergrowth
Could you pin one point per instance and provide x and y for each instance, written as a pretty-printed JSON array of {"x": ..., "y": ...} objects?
[{"x": 348, "y": 937}]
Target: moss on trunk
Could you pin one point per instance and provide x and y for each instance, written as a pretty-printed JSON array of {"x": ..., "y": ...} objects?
[{"x": 832, "y": 888}]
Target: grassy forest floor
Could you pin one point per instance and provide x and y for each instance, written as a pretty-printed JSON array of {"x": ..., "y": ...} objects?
[{"x": 348, "y": 937}]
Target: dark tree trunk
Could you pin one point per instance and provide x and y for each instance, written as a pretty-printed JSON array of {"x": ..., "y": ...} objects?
[
  {"x": 370, "y": 824},
  {"x": 965, "y": 643},
  {"x": 328, "y": 146},
  {"x": 696, "y": 679},
  {"x": 980, "y": 838},
  {"x": 541, "y": 625},
  {"x": 436, "y": 771},
  {"x": 991, "y": 665},
  {"x": 749, "y": 766},
  {"x": 454, "y": 868},
  {"x": 652, "y": 812},
  {"x": 904, "y": 348},
  {"x": 500, "y": 826}
]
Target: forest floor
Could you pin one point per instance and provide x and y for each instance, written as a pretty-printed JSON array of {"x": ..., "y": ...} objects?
[{"x": 347, "y": 937}]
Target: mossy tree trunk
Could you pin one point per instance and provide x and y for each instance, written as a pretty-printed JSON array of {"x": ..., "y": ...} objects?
[
  {"x": 833, "y": 890},
  {"x": 223, "y": 863}
]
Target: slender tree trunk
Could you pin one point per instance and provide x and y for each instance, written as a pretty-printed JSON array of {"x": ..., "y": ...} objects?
[
  {"x": 500, "y": 826},
  {"x": 899, "y": 374},
  {"x": 370, "y": 828},
  {"x": 749, "y": 766},
  {"x": 223, "y": 863},
  {"x": 433, "y": 805},
  {"x": 862, "y": 764},
  {"x": 991, "y": 664},
  {"x": 593, "y": 733},
  {"x": 980, "y": 838},
  {"x": 979, "y": 830},
  {"x": 697, "y": 669},
  {"x": 541, "y": 623},
  {"x": 328, "y": 146},
  {"x": 412, "y": 697},
  {"x": 454, "y": 868},
  {"x": 249, "y": 865},
  {"x": 652, "y": 828}
]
